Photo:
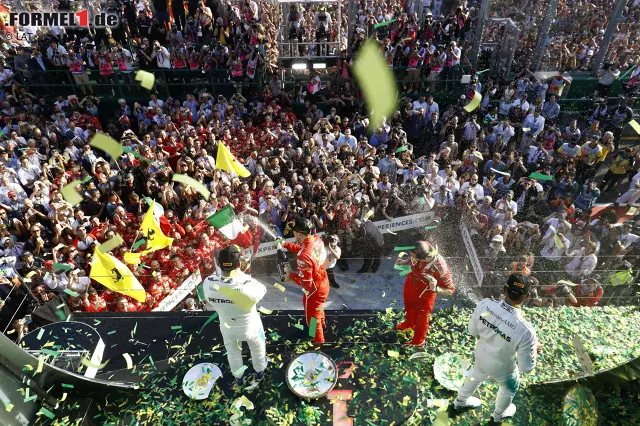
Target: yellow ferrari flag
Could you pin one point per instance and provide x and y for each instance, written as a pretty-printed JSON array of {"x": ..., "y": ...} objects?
[
  {"x": 113, "y": 274},
  {"x": 156, "y": 240},
  {"x": 226, "y": 161}
]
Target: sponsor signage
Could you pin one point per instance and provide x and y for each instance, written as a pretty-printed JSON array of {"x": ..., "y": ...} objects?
[
  {"x": 172, "y": 300},
  {"x": 397, "y": 224}
]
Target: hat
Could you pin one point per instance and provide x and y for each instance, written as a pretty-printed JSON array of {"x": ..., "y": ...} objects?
[
  {"x": 229, "y": 258},
  {"x": 12, "y": 193},
  {"x": 302, "y": 225},
  {"x": 48, "y": 264},
  {"x": 518, "y": 285},
  {"x": 510, "y": 193},
  {"x": 368, "y": 159},
  {"x": 26, "y": 254},
  {"x": 497, "y": 239}
]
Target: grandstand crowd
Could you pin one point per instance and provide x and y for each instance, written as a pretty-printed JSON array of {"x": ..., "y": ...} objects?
[{"x": 522, "y": 176}]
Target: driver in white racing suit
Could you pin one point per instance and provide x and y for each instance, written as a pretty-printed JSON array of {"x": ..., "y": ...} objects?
[
  {"x": 503, "y": 336},
  {"x": 234, "y": 297}
]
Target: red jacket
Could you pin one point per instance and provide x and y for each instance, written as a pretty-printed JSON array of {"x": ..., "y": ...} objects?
[{"x": 312, "y": 267}]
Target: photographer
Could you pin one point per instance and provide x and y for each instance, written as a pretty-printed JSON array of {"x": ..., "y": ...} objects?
[
  {"x": 333, "y": 255},
  {"x": 606, "y": 77},
  {"x": 295, "y": 23},
  {"x": 322, "y": 21}
]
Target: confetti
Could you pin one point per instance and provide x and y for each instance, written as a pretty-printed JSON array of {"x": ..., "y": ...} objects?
[
  {"x": 635, "y": 126},
  {"x": 66, "y": 385},
  {"x": 138, "y": 244},
  {"x": 402, "y": 254},
  {"x": 312, "y": 327},
  {"x": 226, "y": 325},
  {"x": 46, "y": 412},
  {"x": 40, "y": 365},
  {"x": 265, "y": 310},
  {"x": 40, "y": 334},
  {"x": 393, "y": 354},
  {"x": 110, "y": 244},
  {"x": 540, "y": 176},
  {"x": 71, "y": 292},
  {"x": 9, "y": 407},
  {"x": 632, "y": 211},
  {"x": 146, "y": 79},
  {"x": 87, "y": 363},
  {"x": 430, "y": 227},
  {"x": 404, "y": 248},
  {"x": 70, "y": 194},
  {"x": 368, "y": 215},
  {"x": 477, "y": 98},
  {"x": 279, "y": 287},
  {"x": 299, "y": 326},
  {"x": 208, "y": 321},
  {"x": 107, "y": 144},
  {"x": 127, "y": 358},
  {"x": 377, "y": 82},
  {"x": 198, "y": 186}
]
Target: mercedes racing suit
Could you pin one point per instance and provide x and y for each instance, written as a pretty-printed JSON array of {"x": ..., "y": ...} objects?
[
  {"x": 312, "y": 277},
  {"x": 504, "y": 336},
  {"x": 420, "y": 294},
  {"x": 235, "y": 301}
]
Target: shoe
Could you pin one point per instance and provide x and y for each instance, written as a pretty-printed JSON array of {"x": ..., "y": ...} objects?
[
  {"x": 335, "y": 285},
  {"x": 472, "y": 402},
  {"x": 255, "y": 380},
  {"x": 403, "y": 326},
  {"x": 415, "y": 344},
  {"x": 509, "y": 412}
]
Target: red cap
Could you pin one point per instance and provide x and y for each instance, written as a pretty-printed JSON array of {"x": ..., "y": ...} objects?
[
  {"x": 12, "y": 193},
  {"x": 48, "y": 263}
]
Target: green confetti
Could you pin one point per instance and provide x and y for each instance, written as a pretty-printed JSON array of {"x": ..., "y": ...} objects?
[
  {"x": 112, "y": 332},
  {"x": 40, "y": 334},
  {"x": 176, "y": 327},
  {"x": 430, "y": 227},
  {"x": 71, "y": 292},
  {"x": 138, "y": 244},
  {"x": 404, "y": 248},
  {"x": 46, "y": 412},
  {"x": 49, "y": 352},
  {"x": 299, "y": 326},
  {"x": 540, "y": 176},
  {"x": 87, "y": 179},
  {"x": 68, "y": 386},
  {"x": 209, "y": 320},
  {"x": 312, "y": 327},
  {"x": 61, "y": 267}
]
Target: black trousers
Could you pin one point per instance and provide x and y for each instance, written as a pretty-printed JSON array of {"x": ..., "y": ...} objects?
[
  {"x": 371, "y": 264},
  {"x": 332, "y": 277}
]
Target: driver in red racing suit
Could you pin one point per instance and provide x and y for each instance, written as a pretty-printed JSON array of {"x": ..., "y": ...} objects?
[
  {"x": 429, "y": 276},
  {"x": 312, "y": 273}
]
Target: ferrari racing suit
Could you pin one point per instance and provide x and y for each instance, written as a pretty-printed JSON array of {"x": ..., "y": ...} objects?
[
  {"x": 420, "y": 290},
  {"x": 312, "y": 277}
]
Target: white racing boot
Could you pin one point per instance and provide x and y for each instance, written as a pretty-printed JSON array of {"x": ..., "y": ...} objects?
[
  {"x": 472, "y": 402},
  {"x": 509, "y": 412}
]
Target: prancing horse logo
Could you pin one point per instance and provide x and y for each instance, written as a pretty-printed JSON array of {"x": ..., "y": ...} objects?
[
  {"x": 117, "y": 273},
  {"x": 150, "y": 234}
]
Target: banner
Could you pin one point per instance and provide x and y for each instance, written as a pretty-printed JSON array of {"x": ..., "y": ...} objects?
[
  {"x": 172, "y": 300},
  {"x": 471, "y": 252},
  {"x": 397, "y": 224}
]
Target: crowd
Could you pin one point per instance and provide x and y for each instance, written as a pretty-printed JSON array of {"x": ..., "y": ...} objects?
[{"x": 520, "y": 178}]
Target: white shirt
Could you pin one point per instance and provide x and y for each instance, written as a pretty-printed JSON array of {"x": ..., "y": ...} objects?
[
  {"x": 581, "y": 266},
  {"x": 478, "y": 191},
  {"x": 331, "y": 259},
  {"x": 551, "y": 251},
  {"x": 504, "y": 336},
  {"x": 162, "y": 57}
]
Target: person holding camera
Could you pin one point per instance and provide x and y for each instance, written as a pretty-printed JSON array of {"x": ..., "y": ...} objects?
[
  {"x": 322, "y": 21},
  {"x": 333, "y": 255}
]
